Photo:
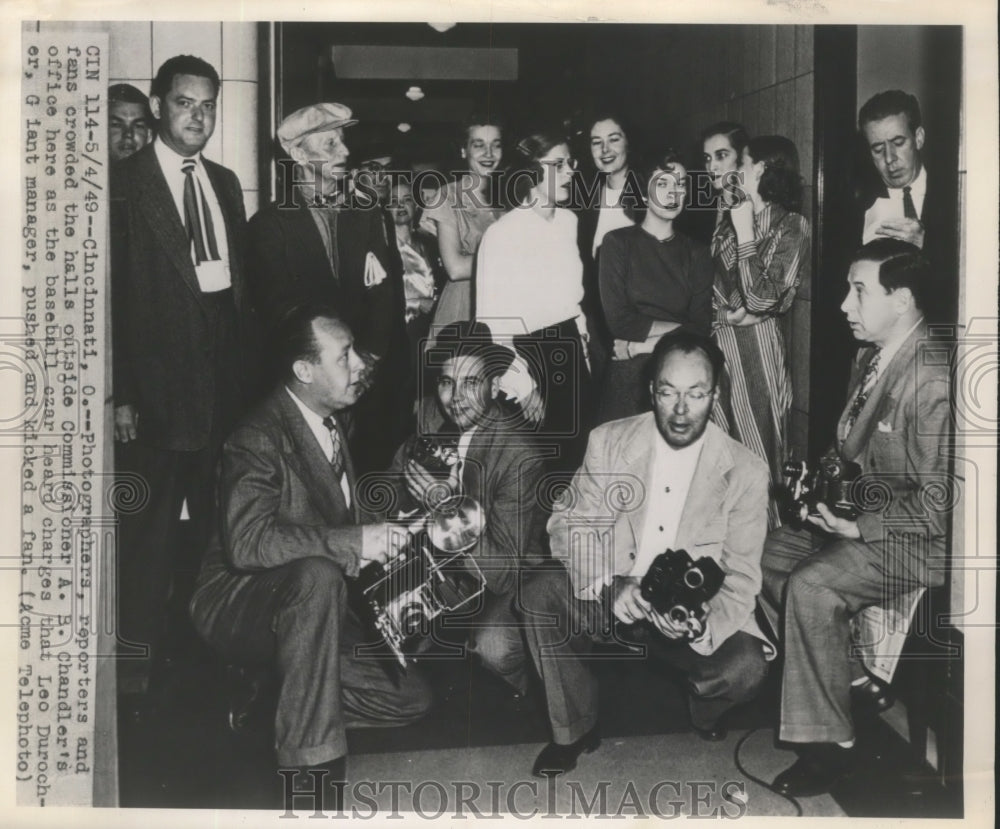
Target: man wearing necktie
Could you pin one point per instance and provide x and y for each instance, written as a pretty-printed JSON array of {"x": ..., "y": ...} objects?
[
  {"x": 182, "y": 350},
  {"x": 896, "y": 427},
  {"x": 499, "y": 464},
  {"x": 909, "y": 202},
  {"x": 291, "y": 534}
]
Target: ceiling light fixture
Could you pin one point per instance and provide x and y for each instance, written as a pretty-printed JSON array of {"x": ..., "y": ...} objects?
[
  {"x": 442, "y": 27},
  {"x": 415, "y": 93},
  {"x": 403, "y": 127}
]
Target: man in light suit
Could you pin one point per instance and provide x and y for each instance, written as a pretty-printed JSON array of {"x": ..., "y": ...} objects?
[
  {"x": 895, "y": 427},
  {"x": 273, "y": 585},
  {"x": 314, "y": 245},
  {"x": 499, "y": 464},
  {"x": 182, "y": 346},
  {"x": 669, "y": 479}
]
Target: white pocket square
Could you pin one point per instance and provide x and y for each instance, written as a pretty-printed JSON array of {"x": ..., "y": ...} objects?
[
  {"x": 374, "y": 272},
  {"x": 884, "y": 427}
]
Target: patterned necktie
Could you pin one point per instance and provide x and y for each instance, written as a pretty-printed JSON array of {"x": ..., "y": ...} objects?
[
  {"x": 337, "y": 459},
  {"x": 868, "y": 381},
  {"x": 198, "y": 223},
  {"x": 909, "y": 209}
]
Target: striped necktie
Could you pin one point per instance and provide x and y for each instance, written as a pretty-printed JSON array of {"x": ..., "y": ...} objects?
[
  {"x": 337, "y": 458},
  {"x": 868, "y": 380},
  {"x": 198, "y": 218}
]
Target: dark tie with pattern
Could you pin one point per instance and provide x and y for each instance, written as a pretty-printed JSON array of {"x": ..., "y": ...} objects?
[
  {"x": 868, "y": 381},
  {"x": 337, "y": 459},
  {"x": 198, "y": 223},
  {"x": 909, "y": 209}
]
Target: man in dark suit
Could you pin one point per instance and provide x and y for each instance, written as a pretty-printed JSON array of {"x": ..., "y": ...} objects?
[
  {"x": 907, "y": 201},
  {"x": 290, "y": 534},
  {"x": 312, "y": 245},
  {"x": 895, "y": 427},
  {"x": 130, "y": 123},
  {"x": 181, "y": 340},
  {"x": 668, "y": 479},
  {"x": 496, "y": 462}
]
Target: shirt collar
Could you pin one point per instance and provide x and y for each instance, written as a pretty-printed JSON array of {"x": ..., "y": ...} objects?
[
  {"x": 171, "y": 160},
  {"x": 314, "y": 421}
]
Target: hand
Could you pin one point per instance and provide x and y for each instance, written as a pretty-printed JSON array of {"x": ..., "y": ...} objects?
[
  {"x": 519, "y": 386},
  {"x": 380, "y": 542},
  {"x": 126, "y": 422},
  {"x": 628, "y": 604},
  {"x": 425, "y": 488},
  {"x": 621, "y": 350},
  {"x": 833, "y": 524},
  {"x": 742, "y": 217},
  {"x": 735, "y": 316},
  {"x": 671, "y": 629},
  {"x": 906, "y": 230}
]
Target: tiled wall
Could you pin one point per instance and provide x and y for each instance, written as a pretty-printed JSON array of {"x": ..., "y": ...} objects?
[
  {"x": 138, "y": 49},
  {"x": 760, "y": 76}
]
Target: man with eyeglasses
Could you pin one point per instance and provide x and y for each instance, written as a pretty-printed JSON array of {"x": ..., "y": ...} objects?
[
  {"x": 667, "y": 479},
  {"x": 497, "y": 463},
  {"x": 130, "y": 123}
]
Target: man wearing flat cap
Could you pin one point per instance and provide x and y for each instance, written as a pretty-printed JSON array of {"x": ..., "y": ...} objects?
[{"x": 311, "y": 246}]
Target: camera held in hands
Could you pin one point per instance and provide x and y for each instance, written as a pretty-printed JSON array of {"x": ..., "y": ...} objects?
[
  {"x": 827, "y": 482},
  {"x": 678, "y": 587},
  {"x": 432, "y": 575},
  {"x": 435, "y": 455}
]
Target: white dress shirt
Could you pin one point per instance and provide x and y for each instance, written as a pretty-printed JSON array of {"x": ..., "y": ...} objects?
[
  {"x": 671, "y": 473},
  {"x": 891, "y": 206},
  {"x": 212, "y": 276},
  {"x": 610, "y": 215},
  {"x": 325, "y": 439}
]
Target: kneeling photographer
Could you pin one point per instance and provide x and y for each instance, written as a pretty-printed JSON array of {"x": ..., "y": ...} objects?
[
  {"x": 475, "y": 442},
  {"x": 668, "y": 480}
]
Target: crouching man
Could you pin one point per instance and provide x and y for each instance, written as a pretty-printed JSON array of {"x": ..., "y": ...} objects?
[{"x": 273, "y": 585}]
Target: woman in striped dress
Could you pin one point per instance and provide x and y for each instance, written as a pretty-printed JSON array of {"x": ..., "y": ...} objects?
[{"x": 761, "y": 251}]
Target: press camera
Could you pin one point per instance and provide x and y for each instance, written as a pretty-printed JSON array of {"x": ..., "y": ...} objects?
[
  {"x": 436, "y": 456},
  {"x": 678, "y": 587},
  {"x": 828, "y": 482},
  {"x": 432, "y": 575}
]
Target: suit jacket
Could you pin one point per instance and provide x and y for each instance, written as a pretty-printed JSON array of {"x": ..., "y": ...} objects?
[
  {"x": 502, "y": 471},
  {"x": 597, "y": 527},
  {"x": 278, "y": 501},
  {"x": 164, "y": 345},
  {"x": 288, "y": 264},
  {"x": 906, "y": 491}
]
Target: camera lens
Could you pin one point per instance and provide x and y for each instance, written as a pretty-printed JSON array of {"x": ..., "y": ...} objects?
[
  {"x": 411, "y": 619},
  {"x": 694, "y": 578},
  {"x": 679, "y": 614}
]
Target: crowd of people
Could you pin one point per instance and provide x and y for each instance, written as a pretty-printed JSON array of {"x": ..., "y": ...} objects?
[{"x": 612, "y": 373}]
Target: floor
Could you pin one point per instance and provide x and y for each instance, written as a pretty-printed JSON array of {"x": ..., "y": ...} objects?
[{"x": 477, "y": 745}]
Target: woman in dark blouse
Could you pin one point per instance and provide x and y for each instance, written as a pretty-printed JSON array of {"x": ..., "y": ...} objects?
[{"x": 653, "y": 280}]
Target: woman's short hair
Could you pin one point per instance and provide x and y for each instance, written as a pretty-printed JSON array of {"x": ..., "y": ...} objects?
[
  {"x": 477, "y": 119},
  {"x": 781, "y": 182},
  {"x": 735, "y": 133},
  {"x": 529, "y": 151}
]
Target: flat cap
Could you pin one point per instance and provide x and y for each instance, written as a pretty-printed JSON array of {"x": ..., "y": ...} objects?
[{"x": 310, "y": 119}]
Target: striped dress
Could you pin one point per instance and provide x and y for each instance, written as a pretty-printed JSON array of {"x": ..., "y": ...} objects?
[{"x": 762, "y": 277}]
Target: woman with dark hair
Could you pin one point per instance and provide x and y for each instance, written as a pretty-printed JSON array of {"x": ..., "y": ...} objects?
[
  {"x": 761, "y": 252},
  {"x": 653, "y": 280},
  {"x": 529, "y": 285},
  {"x": 604, "y": 204},
  {"x": 462, "y": 211},
  {"x": 721, "y": 150}
]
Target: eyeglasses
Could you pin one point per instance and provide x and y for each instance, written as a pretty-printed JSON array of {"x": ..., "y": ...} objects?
[{"x": 671, "y": 396}]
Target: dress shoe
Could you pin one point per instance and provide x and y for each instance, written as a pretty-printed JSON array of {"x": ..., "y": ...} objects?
[
  {"x": 556, "y": 758},
  {"x": 713, "y": 734},
  {"x": 819, "y": 767},
  {"x": 872, "y": 698},
  {"x": 332, "y": 782}
]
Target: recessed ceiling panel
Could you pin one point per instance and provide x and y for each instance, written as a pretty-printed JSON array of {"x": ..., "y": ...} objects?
[{"x": 424, "y": 63}]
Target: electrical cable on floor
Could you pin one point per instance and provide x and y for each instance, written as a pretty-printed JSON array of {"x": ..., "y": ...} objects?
[{"x": 757, "y": 780}]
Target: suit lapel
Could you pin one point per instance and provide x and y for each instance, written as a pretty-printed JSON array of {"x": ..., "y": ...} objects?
[
  {"x": 637, "y": 460},
  {"x": 311, "y": 465},
  {"x": 900, "y": 364},
  {"x": 155, "y": 201},
  {"x": 707, "y": 490}
]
